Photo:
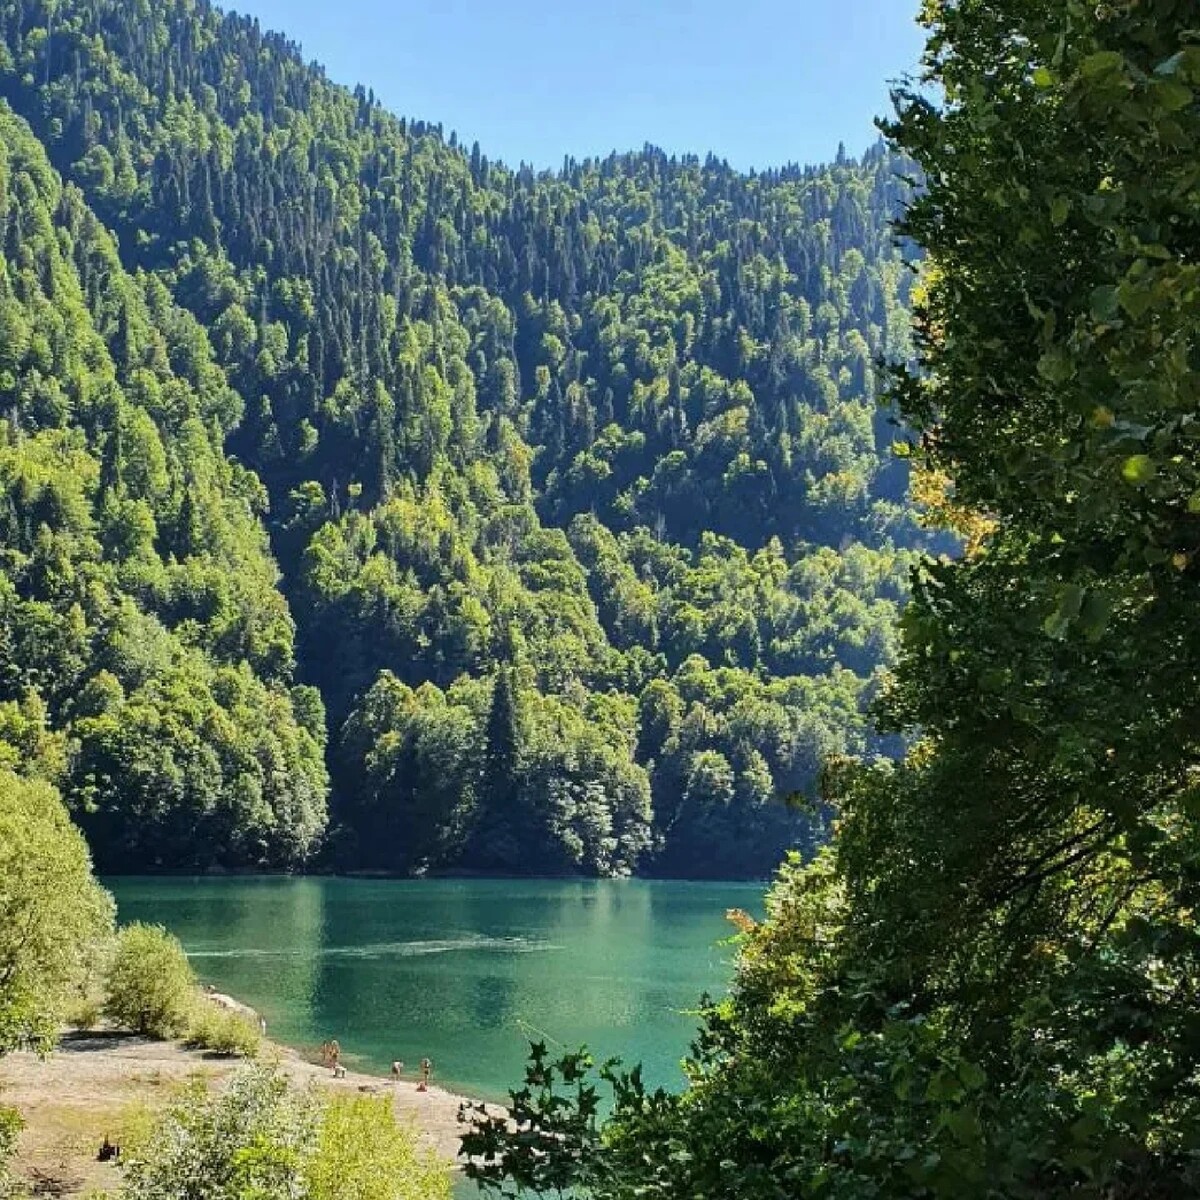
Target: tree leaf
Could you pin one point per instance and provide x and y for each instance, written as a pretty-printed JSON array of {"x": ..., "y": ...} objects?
[
  {"x": 1173, "y": 96},
  {"x": 1139, "y": 469},
  {"x": 1056, "y": 365},
  {"x": 1095, "y": 614},
  {"x": 1103, "y": 62},
  {"x": 1135, "y": 298},
  {"x": 1104, "y": 303}
]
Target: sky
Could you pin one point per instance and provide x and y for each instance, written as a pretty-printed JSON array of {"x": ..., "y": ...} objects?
[{"x": 758, "y": 82}]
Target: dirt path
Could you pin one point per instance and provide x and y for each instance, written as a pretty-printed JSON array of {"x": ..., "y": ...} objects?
[{"x": 106, "y": 1084}]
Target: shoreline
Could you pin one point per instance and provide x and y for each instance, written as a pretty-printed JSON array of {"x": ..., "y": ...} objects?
[
  {"x": 449, "y": 874},
  {"x": 98, "y": 1083},
  {"x": 302, "y": 1057}
]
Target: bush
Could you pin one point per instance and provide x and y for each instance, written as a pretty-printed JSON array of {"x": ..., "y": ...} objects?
[
  {"x": 52, "y": 913},
  {"x": 150, "y": 987},
  {"x": 258, "y": 1138},
  {"x": 212, "y": 1028},
  {"x": 10, "y": 1129},
  {"x": 246, "y": 1141},
  {"x": 84, "y": 1013},
  {"x": 363, "y": 1152}
]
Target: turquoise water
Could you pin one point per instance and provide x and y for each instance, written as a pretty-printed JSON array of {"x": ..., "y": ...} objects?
[{"x": 465, "y": 972}]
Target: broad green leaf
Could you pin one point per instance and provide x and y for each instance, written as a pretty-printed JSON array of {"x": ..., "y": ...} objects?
[
  {"x": 1104, "y": 303},
  {"x": 1043, "y": 77},
  {"x": 1056, "y": 365},
  {"x": 1139, "y": 469},
  {"x": 1060, "y": 209},
  {"x": 1071, "y": 601},
  {"x": 1095, "y": 614},
  {"x": 1173, "y": 96},
  {"x": 973, "y": 1075},
  {"x": 1101, "y": 63},
  {"x": 1135, "y": 298},
  {"x": 1056, "y": 627}
]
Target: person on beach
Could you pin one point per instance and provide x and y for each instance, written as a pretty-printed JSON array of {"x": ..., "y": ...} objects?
[
  {"x": 397, "y": 1070},
  {"x": 426, "y": 1068}
]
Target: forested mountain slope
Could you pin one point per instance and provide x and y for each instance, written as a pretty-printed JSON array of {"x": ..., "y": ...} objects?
[
  {"x": 573, "y": 478},
  {"x": 145, "y": 653}
]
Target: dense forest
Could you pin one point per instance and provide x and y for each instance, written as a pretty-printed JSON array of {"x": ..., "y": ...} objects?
[
  {"x": 366, "y": 498},
  {"x": 987, "y": 983}
]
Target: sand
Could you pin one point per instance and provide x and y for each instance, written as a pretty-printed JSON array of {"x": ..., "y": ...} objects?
[{"x": 98, "y": 1084}]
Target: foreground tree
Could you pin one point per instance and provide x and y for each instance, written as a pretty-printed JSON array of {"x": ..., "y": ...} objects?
[
  {"x": 989, "y": 984},
  {"x": 52, "y": 913},
  {"x": 149, "y": 985}
]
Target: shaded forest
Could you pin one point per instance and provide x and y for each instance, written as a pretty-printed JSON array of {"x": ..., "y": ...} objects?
[{"x": 368, "y": 499}]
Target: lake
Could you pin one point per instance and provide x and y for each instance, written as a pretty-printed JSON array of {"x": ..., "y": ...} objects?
[{"x": 464, "y": 971}]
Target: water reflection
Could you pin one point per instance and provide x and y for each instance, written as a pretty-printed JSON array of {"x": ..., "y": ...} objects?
[{"x": 464, "y": 971}]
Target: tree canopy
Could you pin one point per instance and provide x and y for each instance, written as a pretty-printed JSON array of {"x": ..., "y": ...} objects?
[
  {"x": 52, "y": 913},
  {"x": 986, "y": 984},
  {"x": 605, "y": 437}
]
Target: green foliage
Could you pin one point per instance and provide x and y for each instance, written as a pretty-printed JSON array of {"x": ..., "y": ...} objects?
[
  {"x": 249, "y": 1140},
  {"x": 52, "y": 913},
  {"x": 585, "y": 431},
  {"x": 142, "y": 627},
  {"x": 222, "y": 1032},
  {"x": 149, "y": 986},
  {"x": 10, "y": 1130},
  {"x": 257, "y": 1138},
  {"x": 362, "y": 1153},
  {"x": 987, "y": 984}
]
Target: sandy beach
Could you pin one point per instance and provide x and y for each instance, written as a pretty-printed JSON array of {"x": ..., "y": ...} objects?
[{"x": 98, "y": 1084}]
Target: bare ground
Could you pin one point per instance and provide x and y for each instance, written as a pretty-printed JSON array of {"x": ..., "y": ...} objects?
[{"x": 102, "y": 1084}]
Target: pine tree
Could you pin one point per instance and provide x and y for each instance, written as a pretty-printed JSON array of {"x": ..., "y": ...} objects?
[{"x": 502, "y": 750}]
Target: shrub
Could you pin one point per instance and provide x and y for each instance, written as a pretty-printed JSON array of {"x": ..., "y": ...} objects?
[
  {"x": 212, "y": 1028},
  {"x": 258, "y": 1138},
  {"x": 52, "y": 913},
  {"x": 10, "y": 1129},
  {"x": 246, "y": 1141},
  {"x": 150, "y": 987},
  {"x": 84, "y": 1013},
  {"x": 363, "y": 1152}
]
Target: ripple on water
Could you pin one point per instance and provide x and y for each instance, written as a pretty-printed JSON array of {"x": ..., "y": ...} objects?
[{"x": 411, "y": 949}]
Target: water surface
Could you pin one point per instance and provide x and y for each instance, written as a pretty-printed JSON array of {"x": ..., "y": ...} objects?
[{"x": 465, "y": 972}]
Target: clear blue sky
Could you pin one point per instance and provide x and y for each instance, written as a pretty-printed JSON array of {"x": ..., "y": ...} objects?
[{"x": 760, "y": 82}]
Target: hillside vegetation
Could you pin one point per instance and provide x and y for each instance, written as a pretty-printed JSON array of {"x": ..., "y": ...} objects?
[
  {"x": 573, "y": 479},
  {"x": 987, "y": 983}
]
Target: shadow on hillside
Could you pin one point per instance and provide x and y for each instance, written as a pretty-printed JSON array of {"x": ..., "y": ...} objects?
[{"x": 84, "y": 1041}]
